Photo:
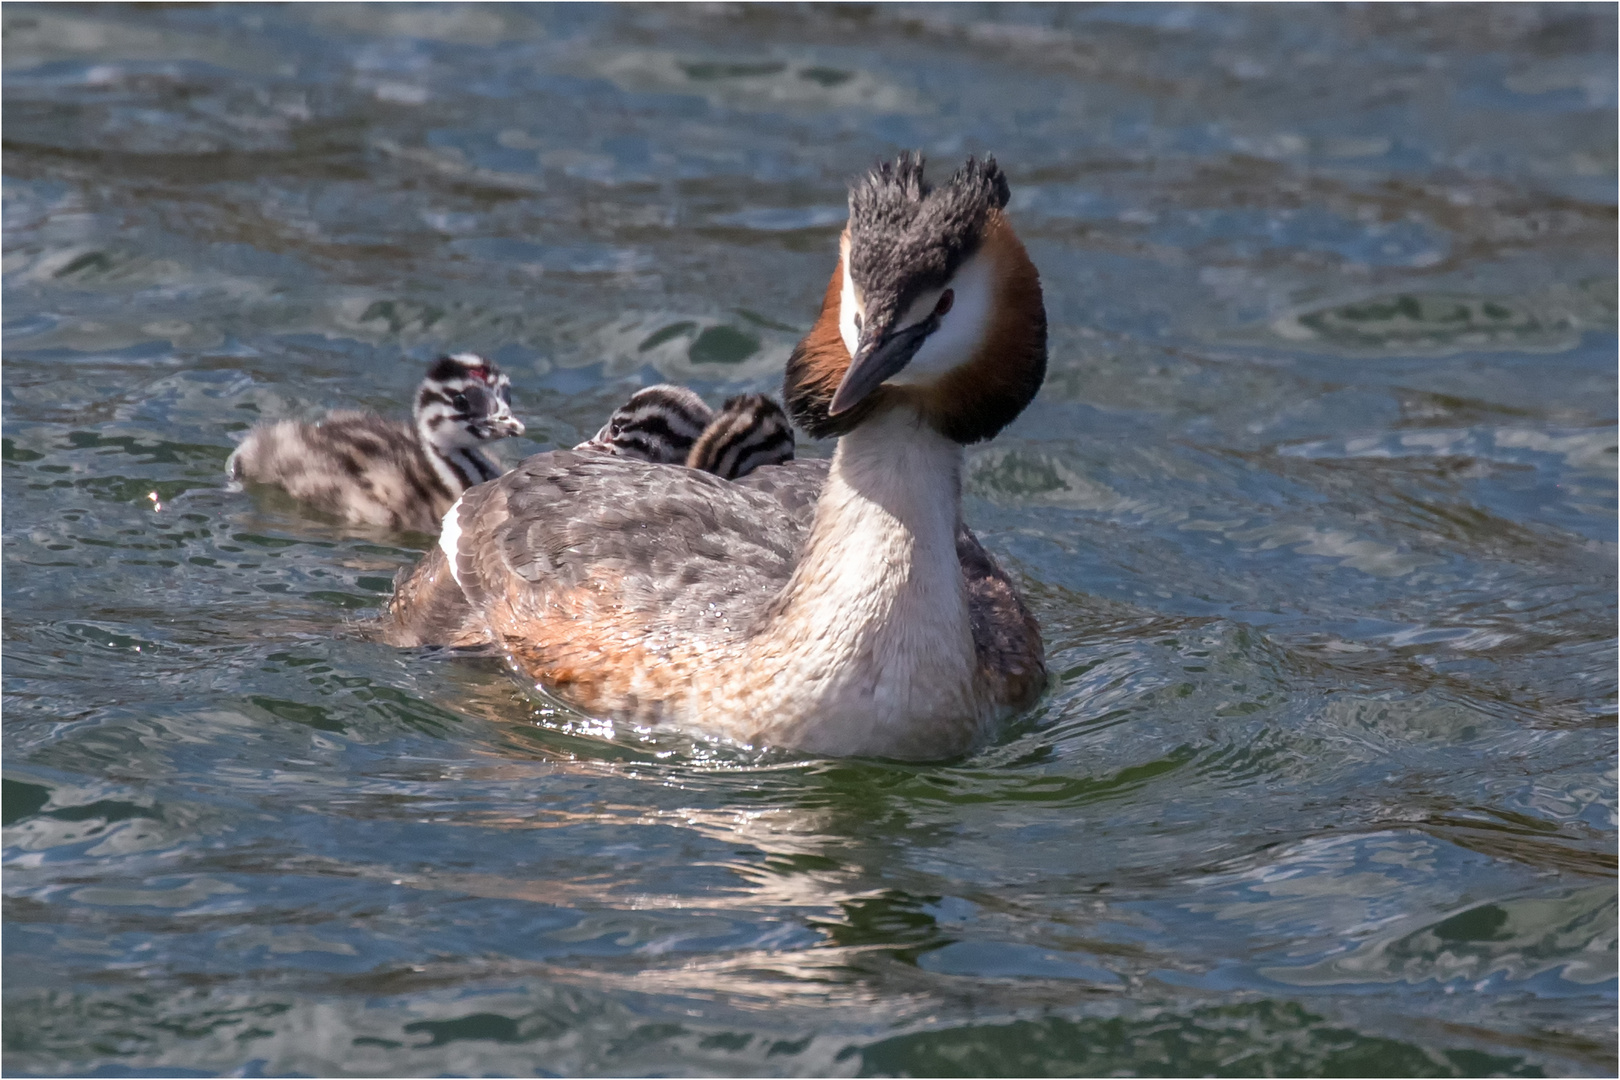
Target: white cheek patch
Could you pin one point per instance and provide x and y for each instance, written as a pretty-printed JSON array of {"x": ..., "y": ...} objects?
[
  {"x": 847, "y": 307},
  {"x": 848, "y": 304},
  {"x": 920, "y": 309},
  {"x": 450, "y": 537},
  {"x": 961, "y": 329}
]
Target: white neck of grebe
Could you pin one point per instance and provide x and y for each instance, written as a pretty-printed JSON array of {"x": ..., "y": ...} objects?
[{"x": 874, "y": 628}]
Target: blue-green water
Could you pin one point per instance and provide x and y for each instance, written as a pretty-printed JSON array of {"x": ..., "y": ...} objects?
[{"x": 1317, "y": 510}]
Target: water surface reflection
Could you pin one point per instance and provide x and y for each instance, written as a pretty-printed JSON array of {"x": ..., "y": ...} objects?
[{"x": 1316, "y": 508}]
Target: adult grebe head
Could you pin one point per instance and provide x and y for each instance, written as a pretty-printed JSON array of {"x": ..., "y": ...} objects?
[{"x": 934, "y": 304}]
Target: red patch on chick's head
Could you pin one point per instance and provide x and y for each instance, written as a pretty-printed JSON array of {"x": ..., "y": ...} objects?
[{"x": 464, "y": 366}]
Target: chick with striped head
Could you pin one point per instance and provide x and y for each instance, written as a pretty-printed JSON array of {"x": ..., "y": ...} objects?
[
  {"x": 671, "y": 425},
  {"x": 370, "y": 470}
]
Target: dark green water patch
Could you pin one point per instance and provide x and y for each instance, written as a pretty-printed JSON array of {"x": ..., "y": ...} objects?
[
  {"x": 1220, "y": 1041},
  {"x": 22, "y": 799},
  {"x": 722, "y": 345}
]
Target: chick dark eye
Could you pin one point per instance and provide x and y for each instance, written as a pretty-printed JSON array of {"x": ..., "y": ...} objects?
[
  {"x": 459, "y": 403},
  {"x": 858, "y": 322},
  {"x": 946, "y": 299}
]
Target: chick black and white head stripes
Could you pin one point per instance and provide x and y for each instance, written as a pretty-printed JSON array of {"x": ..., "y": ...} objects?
[
  {"x": 750, "y": 430},
  {"x": 658, "y": 424},
  {"x": 465, "y": 400},
  {"x": 671, "y": 425}
]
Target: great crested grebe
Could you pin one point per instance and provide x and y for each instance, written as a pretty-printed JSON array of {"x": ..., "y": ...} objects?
[
  {"x": 671, "y": 425},
  {"x": 373, "y": 471},
  {"x": 837, "y": 608}
]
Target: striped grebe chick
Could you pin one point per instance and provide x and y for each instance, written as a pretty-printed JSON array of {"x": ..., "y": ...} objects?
[
  {"x": 750, "y": 430},
  {"x": 832, "y": 607},
  {"x": 373, "y": 471},
  {"x": 658, "y": 424},
  {"x": 671, "y": 425}
]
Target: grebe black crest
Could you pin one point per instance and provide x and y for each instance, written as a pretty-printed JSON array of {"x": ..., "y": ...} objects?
[
  {"x": 833, "y": 607},
  {"x": 374, "y": 471},
  {"x": 671, "y": 425},
  {"x": 924, "y": 276}
]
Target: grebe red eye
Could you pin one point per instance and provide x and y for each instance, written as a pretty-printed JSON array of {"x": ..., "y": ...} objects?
[{"x": 946, "y": 299}]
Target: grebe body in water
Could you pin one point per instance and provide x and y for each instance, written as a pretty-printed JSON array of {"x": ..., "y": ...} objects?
[{"x": 831, "y": 607}]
